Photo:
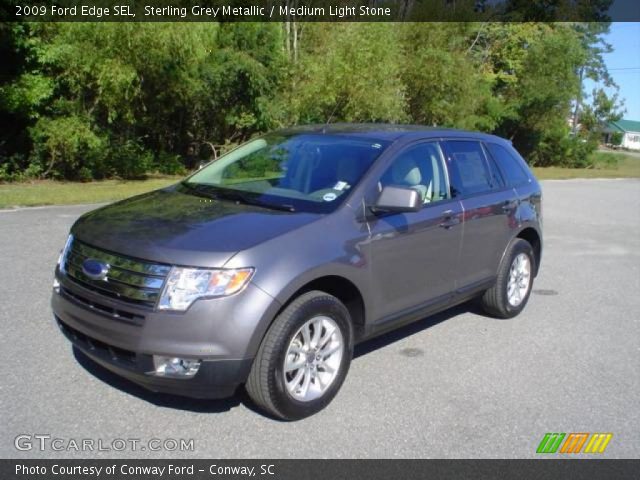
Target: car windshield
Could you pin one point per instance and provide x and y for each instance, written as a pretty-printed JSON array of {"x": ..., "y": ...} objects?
[{"x": 305, "y": 172}]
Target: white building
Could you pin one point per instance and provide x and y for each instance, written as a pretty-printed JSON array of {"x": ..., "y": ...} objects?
[{"x": 630, "y": 130}]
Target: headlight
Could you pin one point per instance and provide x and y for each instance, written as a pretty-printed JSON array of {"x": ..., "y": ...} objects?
[
  {"x": 186, "y": 285},
  {"x": 63, "y": 254}
]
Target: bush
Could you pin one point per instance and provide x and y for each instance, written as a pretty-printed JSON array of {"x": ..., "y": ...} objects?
[
  {"x": 5, "y": 175},
  {"x": 578, "y": 152},
  {"x": 616, "y": 138},
  {"x": 12, "y": 169},
  {"x": 34, "y": 170},
  {"x": 85, "y": 174},
  {"x": 128, "y": 160},
  {"x": 558, "y": 148},
  {"x": 170, "y": 164},
  {"x": 9, "y": 166},
  {"x": 62, "y": 146}
]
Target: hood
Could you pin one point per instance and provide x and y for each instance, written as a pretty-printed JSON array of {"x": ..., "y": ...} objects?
[{"x": 177, "y": 227}]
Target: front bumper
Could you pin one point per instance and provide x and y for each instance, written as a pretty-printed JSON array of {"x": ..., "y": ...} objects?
[
  {"x": 215, "y": 378},
  {"x": 224, "y": 333}
]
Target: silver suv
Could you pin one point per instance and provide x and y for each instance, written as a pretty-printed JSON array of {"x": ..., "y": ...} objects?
[{"x": 265, "y": 267}]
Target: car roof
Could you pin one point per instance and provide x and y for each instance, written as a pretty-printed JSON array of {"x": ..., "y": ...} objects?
[{"x": 387, "y": 131}]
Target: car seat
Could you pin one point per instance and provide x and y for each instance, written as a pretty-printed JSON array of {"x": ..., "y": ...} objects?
[{"x": 405, "y": 171}]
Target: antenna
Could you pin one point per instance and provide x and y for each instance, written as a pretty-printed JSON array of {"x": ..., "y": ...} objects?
[{"x": 335, "y": 107}]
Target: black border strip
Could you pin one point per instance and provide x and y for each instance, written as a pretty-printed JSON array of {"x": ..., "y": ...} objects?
[
  {"x": 321, "y": 10},
  {"x": 588, "y": 469}
]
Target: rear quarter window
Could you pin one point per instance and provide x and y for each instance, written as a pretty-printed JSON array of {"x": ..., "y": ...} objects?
[{"x": 510, "y": 166}]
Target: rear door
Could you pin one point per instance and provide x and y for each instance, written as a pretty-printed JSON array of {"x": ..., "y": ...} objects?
[
  {"x": 414, "y": 255},
  {"x": 488, "y": 209}
]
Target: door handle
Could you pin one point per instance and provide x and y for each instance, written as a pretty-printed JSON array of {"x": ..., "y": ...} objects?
[
  {"x": 448, "y": 219},
  {"x": 509, "y": 205}
]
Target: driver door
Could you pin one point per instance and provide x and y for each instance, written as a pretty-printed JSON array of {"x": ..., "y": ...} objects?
[{"x": 414, "y": 255}]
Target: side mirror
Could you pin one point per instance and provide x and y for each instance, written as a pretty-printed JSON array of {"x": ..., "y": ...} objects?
[{"x": 397, "y": 199}]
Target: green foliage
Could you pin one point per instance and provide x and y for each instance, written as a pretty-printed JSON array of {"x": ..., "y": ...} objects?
[
  {"x": 240, "y": 78},
  {"x": 98, "y": 100},
  {"x": 616, "y": 138},
  {"x": 609, "y": 160},
  {"x": 11, "y": 169},
  {"x": 63, "y": 145},
  {"x": 565, "y": 151},
  {"x": 349, "y": 73},
  {"x": 27, "y": 94},
  {"x": 129, "y": 159},
  {"x": 169, "y": 164},
  {"x": 602, "y": 111},
  {"x": 445, "y": 87}
]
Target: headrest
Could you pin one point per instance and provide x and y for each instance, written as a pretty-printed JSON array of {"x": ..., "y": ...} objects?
[{"x": 405, "y": 171}]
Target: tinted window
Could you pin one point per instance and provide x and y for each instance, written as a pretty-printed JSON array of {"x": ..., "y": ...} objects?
[
  {"x": 419, "y": 167},
  {"x": 496, "y": 174},
  {"x": 509, "y": 165},
  {"x": 468, "y": 168}
]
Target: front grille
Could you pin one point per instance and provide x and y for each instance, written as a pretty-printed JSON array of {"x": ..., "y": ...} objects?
[
  {"x": 130, "y": 280},
  {"x": 97, "y": 347},
  {"x": 115, "y": 313}
]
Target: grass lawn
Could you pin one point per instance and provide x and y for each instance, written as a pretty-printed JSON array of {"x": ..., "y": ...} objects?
[
  {"x": 607, "y": 165},
  {"x": 46, "y": 192}
]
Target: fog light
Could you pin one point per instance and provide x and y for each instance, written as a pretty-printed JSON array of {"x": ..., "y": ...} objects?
[
  {"x": 175, "y": 366},
  {"x": 56, "y": 285}
]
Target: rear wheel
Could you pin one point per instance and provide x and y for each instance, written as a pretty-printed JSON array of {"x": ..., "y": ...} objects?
[
  {"x": 510, "y": 294},
  {"x": 304, "y": 357}
]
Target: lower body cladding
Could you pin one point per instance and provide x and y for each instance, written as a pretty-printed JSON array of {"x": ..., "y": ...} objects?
[{"x": 205, "y": 352}]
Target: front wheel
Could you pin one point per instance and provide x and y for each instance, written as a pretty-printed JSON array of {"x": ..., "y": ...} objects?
[
  {"x": 508, "y": 297},
  {"x": 304, "y": 357}
]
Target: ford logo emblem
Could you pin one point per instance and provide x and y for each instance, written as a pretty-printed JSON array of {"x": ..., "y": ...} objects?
[{"x": 94, "y": 269}]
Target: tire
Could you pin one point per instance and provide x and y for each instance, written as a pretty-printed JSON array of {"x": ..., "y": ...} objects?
[
  {"x": 496, "y": 300},
  {"x": 270, "y": 386}
]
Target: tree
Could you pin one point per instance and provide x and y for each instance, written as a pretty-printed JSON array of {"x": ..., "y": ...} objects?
[
  {"x": 534, "y": 67},
  {"x": 349, "y": 72},
  {"x": 240, "y": 79},
  {"x": 93, "y": 100},
  {"x": 128, "y": 84},
  {"x": 445, "y": 85},
  {"x": 596, "y": 116}
]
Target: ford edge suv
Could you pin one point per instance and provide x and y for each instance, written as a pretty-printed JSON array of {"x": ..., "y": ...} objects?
[{"x": 266, "y": 266}]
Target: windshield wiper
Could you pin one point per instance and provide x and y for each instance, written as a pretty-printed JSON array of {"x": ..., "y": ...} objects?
[
  {"x": 200, "y": 190},
  {"x": 250, "y": 200},
  {"x": 210, "y": 191}
]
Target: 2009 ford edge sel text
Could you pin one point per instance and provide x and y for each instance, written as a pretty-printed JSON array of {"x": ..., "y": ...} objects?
[{"x": 265, "y": 267}]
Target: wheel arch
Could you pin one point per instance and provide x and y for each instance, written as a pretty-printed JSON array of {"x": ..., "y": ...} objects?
[
  {"x": 533, "y": 237},
  {"x": 340, "y": 287}
]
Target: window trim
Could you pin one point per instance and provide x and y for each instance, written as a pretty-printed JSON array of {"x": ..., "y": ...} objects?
[{"x": 495, "y": 170}]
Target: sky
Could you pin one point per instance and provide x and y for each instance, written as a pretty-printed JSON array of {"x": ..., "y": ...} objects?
[{"x": 624, "y": 65}]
